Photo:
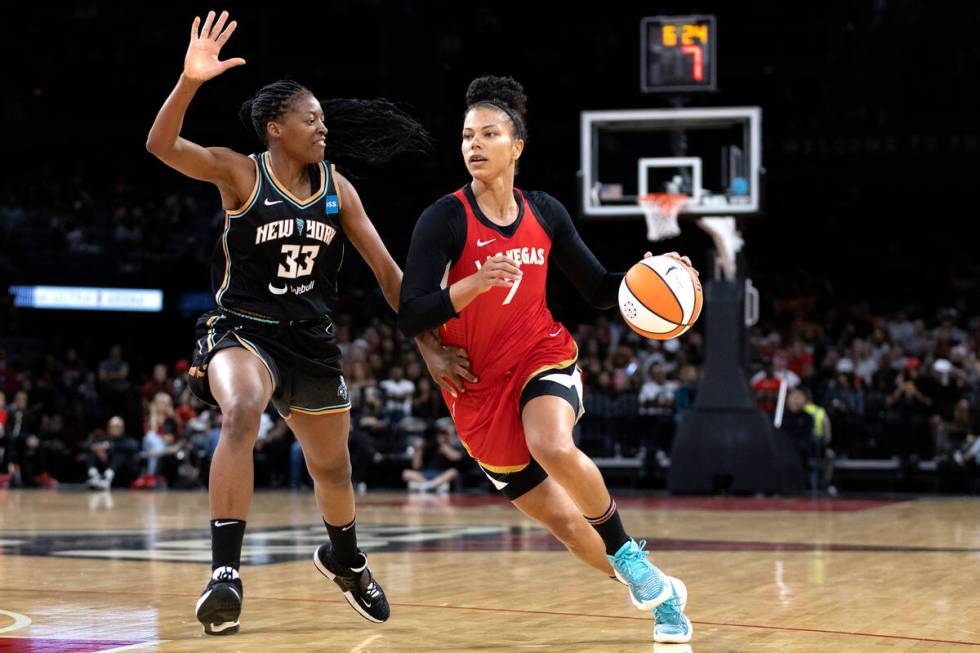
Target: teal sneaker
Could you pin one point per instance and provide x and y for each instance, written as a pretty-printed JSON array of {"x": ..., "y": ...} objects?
[
  {"x": 649, "y": 587},
  {"x": 671, "y": 625}
]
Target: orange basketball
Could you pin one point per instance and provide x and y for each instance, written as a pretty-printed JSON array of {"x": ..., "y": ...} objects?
[{"x": 660, "y": 298}]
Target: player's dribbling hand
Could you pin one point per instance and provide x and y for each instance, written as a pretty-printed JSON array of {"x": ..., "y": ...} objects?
[
  {"x": 498, "y": 270},
  {"x": 201, "y": 61},
  {"x": 677, "y": 257}
]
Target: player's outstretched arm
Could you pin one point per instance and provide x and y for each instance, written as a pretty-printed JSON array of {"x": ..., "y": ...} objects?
[{"x": 201, "y": 63}]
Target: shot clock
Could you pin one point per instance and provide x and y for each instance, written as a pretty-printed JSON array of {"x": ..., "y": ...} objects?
[{"x": 677, "y": 54}]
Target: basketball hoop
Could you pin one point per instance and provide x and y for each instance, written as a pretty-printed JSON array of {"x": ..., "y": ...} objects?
[{"x": 661, "y": 210}]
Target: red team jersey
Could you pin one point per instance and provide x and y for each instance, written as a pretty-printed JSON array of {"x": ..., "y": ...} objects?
[{"x": 509, "y": 335}]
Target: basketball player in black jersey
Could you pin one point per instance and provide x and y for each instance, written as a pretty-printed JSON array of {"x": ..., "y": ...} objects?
[{"x": 275, "y": 279}]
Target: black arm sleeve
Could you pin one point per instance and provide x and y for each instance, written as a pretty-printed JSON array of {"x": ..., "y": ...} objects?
[
  {"x": 437, "y": 242},
  {"x": 599, "y": 287}
]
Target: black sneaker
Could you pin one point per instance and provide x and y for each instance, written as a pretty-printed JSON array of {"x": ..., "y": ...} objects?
[
  {"x": 358, "y": 585},
  {"x": 221, "y": 603}
]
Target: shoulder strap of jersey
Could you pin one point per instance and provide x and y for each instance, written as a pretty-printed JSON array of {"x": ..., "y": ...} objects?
[
  {"x": 461, "y": 197},
  {"x": 255, "y": 191}
]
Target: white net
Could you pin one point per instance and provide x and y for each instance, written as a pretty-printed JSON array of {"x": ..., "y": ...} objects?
[{"x": 661, "y": 210}]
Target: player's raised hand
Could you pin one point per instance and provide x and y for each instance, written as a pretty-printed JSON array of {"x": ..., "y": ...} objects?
[
  {"x": 498, "y": 270},
  {"x": 201, "y": 62}
]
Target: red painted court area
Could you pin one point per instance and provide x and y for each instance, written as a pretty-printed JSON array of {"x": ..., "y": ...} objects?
[{"x": 42, "y": 645}]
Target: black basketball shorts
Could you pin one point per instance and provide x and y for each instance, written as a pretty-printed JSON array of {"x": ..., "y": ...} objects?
[{"x": 301, "y": 356}]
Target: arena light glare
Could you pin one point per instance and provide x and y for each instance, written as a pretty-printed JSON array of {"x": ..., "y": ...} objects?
[{"x": 80, "y": 298}]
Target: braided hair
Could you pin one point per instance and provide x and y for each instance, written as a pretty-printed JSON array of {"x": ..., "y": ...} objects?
[{"x": 362, "y": 133}]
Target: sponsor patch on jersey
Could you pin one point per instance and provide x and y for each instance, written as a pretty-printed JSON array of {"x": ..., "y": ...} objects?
[{"x": 332, "y": 204}]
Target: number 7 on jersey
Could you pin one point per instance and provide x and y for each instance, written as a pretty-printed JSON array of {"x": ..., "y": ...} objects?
[{"x": 513, "y": 289}]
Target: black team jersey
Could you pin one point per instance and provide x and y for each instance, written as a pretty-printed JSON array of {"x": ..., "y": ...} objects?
[{"x": 279, "y": 255}]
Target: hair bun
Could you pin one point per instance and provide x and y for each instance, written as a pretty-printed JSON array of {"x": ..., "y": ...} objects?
[{"x": 491, "y": 88}]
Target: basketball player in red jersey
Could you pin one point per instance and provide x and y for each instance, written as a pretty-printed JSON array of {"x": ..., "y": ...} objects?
[
  {"x": 476, "y": 270},
  {"x": 275, "y": 277}
]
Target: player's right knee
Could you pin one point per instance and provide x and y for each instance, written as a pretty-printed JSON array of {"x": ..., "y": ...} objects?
[{"x": 241, "y": 420}]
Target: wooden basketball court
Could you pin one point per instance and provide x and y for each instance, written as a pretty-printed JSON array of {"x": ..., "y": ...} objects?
[{"x": 121, "y": 572}]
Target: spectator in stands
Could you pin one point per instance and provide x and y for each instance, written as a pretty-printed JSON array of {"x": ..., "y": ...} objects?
[
  {"x": 22, "y": 418},
  {"x": 435, "y": 461},
  {"x": 426, "y": 403},
  {"x": 919, "y": 343},
  {"x": 20, "y": 433},
  {"x": 657, "y": 393},
  {"x": 799, "y": 360},
  {"x": 100, "y": 475},
  {"x": 159, "y": 439},
  {"x": 955, "y": 431},
  {"x": 3, "y": 412},
  {"x": 180, "y": 379},
  {"x": 844, "y": 399},
  {"x": 272, "y": 449},
  {"x": 766, "y": 385},
  {"x": 114, "y": 381},
  {"x": 360, "y": 384},
  {"x": 687, "y": 392},
  {"x": 865, "y": 364},
  {"x": 908, "y": 414},
  {"x": 900, "y": 328},
  {"x": 157, "y": 383},
  {"x": 113, "y": 456},
  {"x": 622, "y": 369},
  {"x": 798, "y": 425},
  {"x": 398, "y": 393},
  {"x": 947, "y": 335},
  {"x": 72, "y": 374}
]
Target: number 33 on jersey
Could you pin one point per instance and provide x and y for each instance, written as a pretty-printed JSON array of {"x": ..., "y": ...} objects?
[{"x": 285, "y": 251}]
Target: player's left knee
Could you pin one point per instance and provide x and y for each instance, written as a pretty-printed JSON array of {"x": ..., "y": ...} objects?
[
  {"x": 568, "y": 528},
  {"x": 331, "y": 472},
  {"x": 551, "y": 449}
]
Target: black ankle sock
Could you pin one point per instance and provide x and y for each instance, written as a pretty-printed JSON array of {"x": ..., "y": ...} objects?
[
  {"x": 226, "y": 543},
  {"x": 344, "y": 542},
  {"x": 610, "y": 528}
]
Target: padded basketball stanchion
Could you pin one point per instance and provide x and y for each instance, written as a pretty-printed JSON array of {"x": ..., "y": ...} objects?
[{"x": 725, "y": 444}]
